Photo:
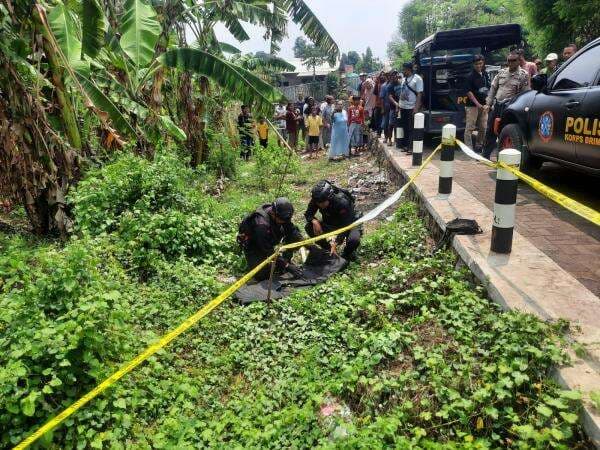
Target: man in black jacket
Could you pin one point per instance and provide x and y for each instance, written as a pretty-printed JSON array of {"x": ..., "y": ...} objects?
[
  {"x": 337, "y": 211},
  {"x": 264, "y": 229}
]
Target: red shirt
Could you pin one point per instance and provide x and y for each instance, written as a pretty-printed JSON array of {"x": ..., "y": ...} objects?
[{"x": 356, "y": 114}]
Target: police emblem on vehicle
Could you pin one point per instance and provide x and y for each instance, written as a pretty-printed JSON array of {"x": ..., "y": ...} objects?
[{"x": 546, "y": 126}]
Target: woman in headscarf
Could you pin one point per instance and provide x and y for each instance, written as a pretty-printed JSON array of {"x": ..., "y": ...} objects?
[{"x": 340, "y": 140}]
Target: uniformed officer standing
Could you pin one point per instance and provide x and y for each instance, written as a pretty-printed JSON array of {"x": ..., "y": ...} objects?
[
  {"x": 508, "y": 83},
  {"x": 337, "y": 210},
  {"x": 265, "y": 228}
]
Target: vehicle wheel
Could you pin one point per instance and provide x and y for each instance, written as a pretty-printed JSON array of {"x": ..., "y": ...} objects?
[{"x": 511, "y": 137}]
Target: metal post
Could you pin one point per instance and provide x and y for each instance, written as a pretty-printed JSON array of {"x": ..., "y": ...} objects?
[
  {"x": 271, "y": 280},
  {"x": 504, "y": 202},
  {"x": 447, "y": 159},
  {"x": 418, "y": 135}
]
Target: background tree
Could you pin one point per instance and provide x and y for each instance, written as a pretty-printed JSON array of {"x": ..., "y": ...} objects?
[
  {"x": 312, "y": 57},
  {"x": 333, "y": 84},
  {"x": 555, "y": 23},
  {"x": 420, "y": 18},
  {"x": 353, "y": 58},
  {"x": 299, "y": 48},
  {"x": 368, "y": 63},
  {"x": 73, "y": 71}
]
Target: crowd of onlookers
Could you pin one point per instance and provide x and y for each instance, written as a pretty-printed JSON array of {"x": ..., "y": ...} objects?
[
  {"x": 385, "y": 104},
  {"x": 342, "y": 128},
  {"x": 487, "y": 98}
]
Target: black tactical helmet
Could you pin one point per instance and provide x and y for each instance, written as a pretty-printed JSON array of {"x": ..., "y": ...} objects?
[
  {"x": 283, "y": 208},
  {"x": 322, "y": 191}
]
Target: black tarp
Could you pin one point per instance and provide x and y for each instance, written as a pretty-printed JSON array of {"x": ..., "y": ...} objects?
[{"x": 318, "y": 267}]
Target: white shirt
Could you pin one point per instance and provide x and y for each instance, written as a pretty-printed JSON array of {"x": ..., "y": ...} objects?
[
  {"x": 279, "y": 110},
  {"x": 408, "y": 98}
]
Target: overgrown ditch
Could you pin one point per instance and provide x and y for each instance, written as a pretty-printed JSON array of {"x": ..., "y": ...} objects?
[{"x": 401, "y": 350}]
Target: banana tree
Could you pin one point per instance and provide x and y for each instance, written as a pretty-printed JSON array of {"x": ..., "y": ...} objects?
[
  {"x": 105, "y": 58},
  {"x": 39, "y": 136}
]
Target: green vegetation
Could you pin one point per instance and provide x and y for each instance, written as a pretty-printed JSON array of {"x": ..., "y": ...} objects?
[
  {"x": 118, "y": 137},
  {"x": 401, "y": 350},
  {"x": 549, "y": 25},
  {"x": 84, "y": 78}
]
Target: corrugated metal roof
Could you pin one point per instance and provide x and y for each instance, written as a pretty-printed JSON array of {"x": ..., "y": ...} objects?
[{"x": 303, "y": 71}]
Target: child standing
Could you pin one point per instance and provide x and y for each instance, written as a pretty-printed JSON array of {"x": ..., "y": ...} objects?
[
  {"x": 313, "y": 125},
  {"x": 356, "y": 120},
  {"x": 262, "y": 129}
]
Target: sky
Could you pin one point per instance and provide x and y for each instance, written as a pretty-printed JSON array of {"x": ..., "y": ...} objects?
[{"x": 354, "y": 25}]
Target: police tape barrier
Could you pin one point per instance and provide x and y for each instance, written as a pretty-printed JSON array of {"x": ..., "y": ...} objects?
[
  {"x": 566, "y": 202},
  {"x": 205, "y": 310},
  {"x": 151, "y": 350},
  {"x": 368, "y": 216}
]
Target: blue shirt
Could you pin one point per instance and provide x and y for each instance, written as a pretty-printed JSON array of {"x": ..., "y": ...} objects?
[{"x": 384, "y": 94}]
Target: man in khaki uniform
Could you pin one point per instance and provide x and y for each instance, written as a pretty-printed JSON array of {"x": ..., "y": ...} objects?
[{"x": 509, "y": 83}]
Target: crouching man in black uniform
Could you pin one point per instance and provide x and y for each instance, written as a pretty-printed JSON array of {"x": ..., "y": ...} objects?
[
  {"x": 265, "y": 228},
  {"x": 337, "y": 210}
]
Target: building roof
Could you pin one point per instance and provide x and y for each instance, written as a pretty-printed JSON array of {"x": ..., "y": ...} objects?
[{"x": 303, "y": 71}]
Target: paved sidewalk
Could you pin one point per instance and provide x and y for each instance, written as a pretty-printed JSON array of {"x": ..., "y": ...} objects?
[
  {"x": 527, "y": 279},
  {"x": 569, "y": 240}
]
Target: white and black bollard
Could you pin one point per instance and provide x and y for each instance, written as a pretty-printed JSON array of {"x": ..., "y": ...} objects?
[
  {"x": 399, "y": 132},
  {"x": 418, "y": 135},
  {"x": 505, "y": 202},
  {"x": 447, "y": 159}
]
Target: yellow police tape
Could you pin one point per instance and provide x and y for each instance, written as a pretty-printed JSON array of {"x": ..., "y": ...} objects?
[
  {"x": 188, "y": 323},
  {"x": 563, "y": 200},
  {"x": 152, "y": 349}
]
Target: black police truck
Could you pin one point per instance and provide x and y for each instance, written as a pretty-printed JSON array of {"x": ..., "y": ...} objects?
[
  {"x": 445, "y": 59},
  {"x": 559, "y": 119}
]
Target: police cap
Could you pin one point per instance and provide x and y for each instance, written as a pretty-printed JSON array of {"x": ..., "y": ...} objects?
[{"x": 322, "y": 191}]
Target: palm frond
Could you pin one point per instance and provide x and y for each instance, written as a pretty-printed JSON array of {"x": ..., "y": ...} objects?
[
  {"x": 93, "y": 27},
  {"x": 104, "y": 104},
  {"x": 311, "y": 26},
  {"x": 66, "y": 32},
  {"x": 247, "y": 87},
  {"x": 228, "y": 48}
]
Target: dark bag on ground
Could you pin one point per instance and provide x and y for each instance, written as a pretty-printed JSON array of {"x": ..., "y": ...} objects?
[
  {"x": 317, "y": 268},
  {"x": 457, "y": 226}
]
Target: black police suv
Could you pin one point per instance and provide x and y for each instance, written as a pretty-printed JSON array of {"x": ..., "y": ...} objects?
[{"x": 559, "y": 119}]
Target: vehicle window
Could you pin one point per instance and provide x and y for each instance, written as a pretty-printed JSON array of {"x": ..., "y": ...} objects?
[{"x": 580, "y": 72}]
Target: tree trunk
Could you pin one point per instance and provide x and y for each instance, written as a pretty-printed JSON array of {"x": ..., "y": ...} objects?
[
  {"x": 36, "y": 165},
  {"x": 192, "y": 111},
  {"x": 201, "y": 107}
]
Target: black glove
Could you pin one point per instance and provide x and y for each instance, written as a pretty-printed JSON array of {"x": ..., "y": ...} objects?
[{"x": 295, "y": 270}]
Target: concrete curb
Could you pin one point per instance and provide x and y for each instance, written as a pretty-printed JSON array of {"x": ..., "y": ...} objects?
[{"x": 526, "y": 280}]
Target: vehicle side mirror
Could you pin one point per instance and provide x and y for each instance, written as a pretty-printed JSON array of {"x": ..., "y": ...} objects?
[{"x": 539, "y": 82}]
